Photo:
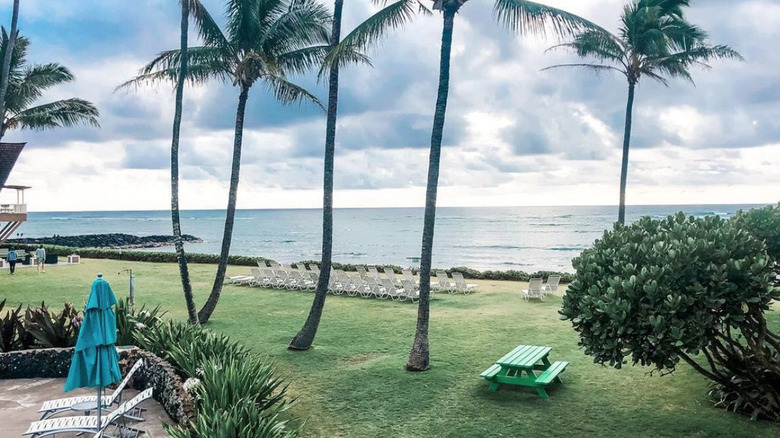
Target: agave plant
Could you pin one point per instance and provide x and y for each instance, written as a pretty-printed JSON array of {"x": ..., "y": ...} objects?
[{"x": 53, "y": 330}]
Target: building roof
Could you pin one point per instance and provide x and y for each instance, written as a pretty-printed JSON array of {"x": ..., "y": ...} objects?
[{"x": 9, "y": 152}]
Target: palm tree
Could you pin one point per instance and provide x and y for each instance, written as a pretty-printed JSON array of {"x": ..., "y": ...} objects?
[
  {"x": 654, "y": 40},
  {"x": 340, "y": 52},
  {"x": 26, "y": 84},
  {"x": 517, "y": 15},
  {"x": 7, "y": 57},
  {"x": 264, "y": 41},
  {"x": 181, "y": 257}
]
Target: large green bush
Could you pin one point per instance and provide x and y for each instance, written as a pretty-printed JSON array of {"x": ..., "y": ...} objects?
[{"x": 660, "y": 291}]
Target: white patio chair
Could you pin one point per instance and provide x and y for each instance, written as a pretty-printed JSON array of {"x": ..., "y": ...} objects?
[
  {"x": 534, "y": 289},
  {"x": 391, "y": 275},
  {"x": 85, "y": 423},
  {"x": 444, "y": 283},
  {"x": 551, "y": 286},
  {"x": 461, "y": 285},
  {"x": 373, "y": 272},
  {"x": 389, "y": 290},
  {"x": 407, "y": 273},
  {"x": 409, "y": 291},
  {"x": 54, "y": 407},
  {"x": 313, "y": 268},
  {"x": 361, "y": 270}
]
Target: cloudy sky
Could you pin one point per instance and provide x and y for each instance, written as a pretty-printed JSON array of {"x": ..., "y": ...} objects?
[{"x": 514, "y": 135}]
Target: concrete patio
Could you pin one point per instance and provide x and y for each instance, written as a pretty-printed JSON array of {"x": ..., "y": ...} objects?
[{"x": 20, "y": 400}]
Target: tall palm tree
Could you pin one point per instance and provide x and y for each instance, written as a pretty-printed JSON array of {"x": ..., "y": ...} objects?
[
  {"x": 654, "y": 40},
  {"x": 7, "y": 57},
  {"x": 340, "y": 52},
  {"x": 181, "y": 257},
  {"x": 263, "y": 41},
  {"x": 517, "y": 15},
  {"x": 26, "y": 84}
]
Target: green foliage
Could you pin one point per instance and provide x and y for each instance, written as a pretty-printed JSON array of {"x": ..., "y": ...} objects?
[
  {"x": 130, "y": 321},
  {"x": 189, "y": 347},
  {"x": 764, "y": 225},
  {"x": 238, "y": 396},
  {"x": 10, "y": 326},
  {"x": 53, "y": 330},
  {"x": 664, "y": 290}
]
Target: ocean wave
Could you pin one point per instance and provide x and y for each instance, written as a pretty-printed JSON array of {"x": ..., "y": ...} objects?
[
  {"x": 287, "y": 241},
  {"x": 568, "y": 248}
]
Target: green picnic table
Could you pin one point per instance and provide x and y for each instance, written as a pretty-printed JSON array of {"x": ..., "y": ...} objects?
[{"x": 519, "y": 367}]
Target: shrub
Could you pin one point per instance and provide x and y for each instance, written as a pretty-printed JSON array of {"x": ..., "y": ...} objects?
[
  {"x": 189, "y": 347},
  {"x": 9, "y": 328},
  {"x": 662, "y": 291},
  {"x": 53, "y": 330},
  {"x": 764, "y": 225},
  {"x": 129, "y": 321},
  {"x": 237, "y": 396}
]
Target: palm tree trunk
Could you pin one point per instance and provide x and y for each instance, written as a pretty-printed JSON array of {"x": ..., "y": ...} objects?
[
  {"x": 626, "y": 142},
  {"x": 305, "y": 337},
  {"x": 175, "y": 217},
  {"x": 227, "y": 236},
  {"x": 6, "y": 71},
  {"x": 419, "y": 357}
]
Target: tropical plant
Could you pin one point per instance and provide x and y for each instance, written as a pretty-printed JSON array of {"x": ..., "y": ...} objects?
[
  {"x": 364, "y": 35},
  {"x": 655, "y": 41},
  {"x": 263, "y": 41},
  {"x": 238, "y": 398},
  {"x": 188, "y": 347},
  {"x": 53, "y": 330},
  {"x": 764, "y": 225},
  {"x": 517, "y": 15},
  {"x": 130, "y": 321},
  {"x": 6, "y": 67},
  {"x": 26, "y": 84},
  {"x": 9, "y": 329},
  {"x": 661, "y": 291}
]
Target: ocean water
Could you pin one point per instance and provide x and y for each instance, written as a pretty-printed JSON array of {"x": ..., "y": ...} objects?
[{"x": 522, "y": 238}]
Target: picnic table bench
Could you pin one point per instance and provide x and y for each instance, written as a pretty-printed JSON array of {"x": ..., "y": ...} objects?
[{"x": 519, "y": 367}]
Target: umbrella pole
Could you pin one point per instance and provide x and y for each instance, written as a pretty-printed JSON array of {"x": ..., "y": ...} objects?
[{"x": 99, "y": 406}]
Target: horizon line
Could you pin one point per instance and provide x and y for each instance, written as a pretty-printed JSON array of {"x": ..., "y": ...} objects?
[{"x": 398, "y": 207}]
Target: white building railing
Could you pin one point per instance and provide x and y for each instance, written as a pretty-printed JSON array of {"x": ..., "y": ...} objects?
[{"x": 13, "y": 208}]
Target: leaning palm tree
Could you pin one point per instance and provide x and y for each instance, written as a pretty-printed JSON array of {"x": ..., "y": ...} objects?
[
  {"x": 340, "y": 52},
  {"x": 517, "y": 15},
  {"x": 7, "y": 56},
  {"x": 26, "y": 84},
  {"x": 181, "y": 256},
  {"x": 263, "y": 42},
  {"x": 654, "y": 40}
]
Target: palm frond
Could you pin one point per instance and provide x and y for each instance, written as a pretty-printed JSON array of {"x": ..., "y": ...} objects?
[
  {"x": 62, "y": 113},
  {"x": 597, "y": 68},
  {"x": 203, "y": 63},
  {"x": 25, "y": 88},
  {"x": 368, "y": 33},
  {"x": 526, "y": 17},
  {"x": 208, "y": 30},
  {"x": 287, "y": 92}
]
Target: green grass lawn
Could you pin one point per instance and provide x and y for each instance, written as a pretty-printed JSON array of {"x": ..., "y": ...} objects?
[{"x": 353, "y": 382}]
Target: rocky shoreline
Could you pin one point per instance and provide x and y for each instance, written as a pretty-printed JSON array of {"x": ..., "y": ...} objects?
[{"x": 115, "y": 241}]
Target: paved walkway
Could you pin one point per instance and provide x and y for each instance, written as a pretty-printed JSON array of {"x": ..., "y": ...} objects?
[{"x": 20, "y": 400}]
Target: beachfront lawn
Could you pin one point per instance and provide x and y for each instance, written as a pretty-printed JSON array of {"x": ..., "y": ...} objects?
[{"x": 353, "y": 383}]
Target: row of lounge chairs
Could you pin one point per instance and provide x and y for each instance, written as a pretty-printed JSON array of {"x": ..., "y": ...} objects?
[
  {"x": 368, "y": 281},
  {"x": 539, "y": 289},
  {"x": 88, "y": 424}
]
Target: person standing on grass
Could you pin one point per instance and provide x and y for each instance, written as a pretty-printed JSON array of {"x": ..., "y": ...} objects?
[
  {"x": 12, "y": 258},
  {"x": 40, "y": 259}
]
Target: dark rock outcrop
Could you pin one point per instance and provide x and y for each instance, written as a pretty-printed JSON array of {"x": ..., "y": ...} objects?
[{"x": 116, "y": 240}]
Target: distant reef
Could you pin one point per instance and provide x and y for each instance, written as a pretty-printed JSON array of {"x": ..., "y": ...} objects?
[{"x": 118, "y": 241}]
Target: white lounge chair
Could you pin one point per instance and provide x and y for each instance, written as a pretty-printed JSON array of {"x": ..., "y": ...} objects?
[
  {"x": 461, "y": 285},
  {"x": 361, "y": 270},
  {"x": 409, "y": 276},
  {"x": 534, "y": 289},
  {"x": 410, "y": 291},
  {"x": 86, "y": 423},
  {"x": 54, "y": 407},
  {"x": 389, "y": 290},
  {"x": 373, "y": 272},
  {"x": 551, "y": 286},
  {"x": 444, "y": 284},
  {"x": 391, "y": 275}
]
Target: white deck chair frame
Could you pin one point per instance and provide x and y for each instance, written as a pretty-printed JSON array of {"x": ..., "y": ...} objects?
[
  {"x": 551, "y": 285},
  {"x": 54, "y": 407},
  {"x": 85, "y": 423},
  {"x": 461, "y": 285},
  {"x": 534, "y": 289}
]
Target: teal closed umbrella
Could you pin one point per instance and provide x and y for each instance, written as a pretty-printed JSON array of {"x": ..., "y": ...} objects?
[{"x": 95, "y": 362}]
